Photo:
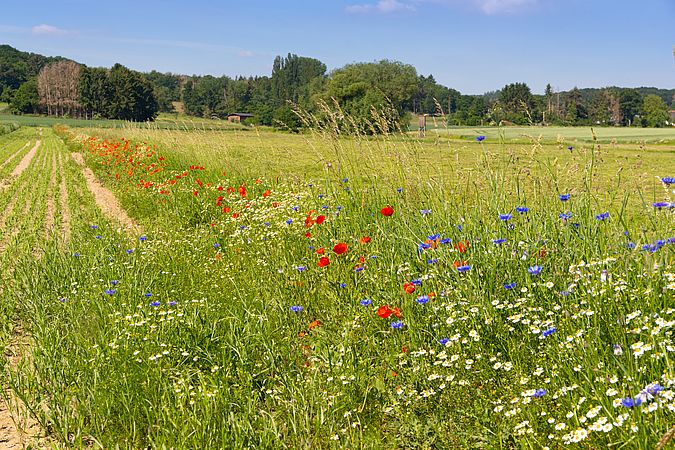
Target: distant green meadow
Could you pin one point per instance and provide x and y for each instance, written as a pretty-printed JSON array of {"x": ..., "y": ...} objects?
[{"x": 322, "y": 290}]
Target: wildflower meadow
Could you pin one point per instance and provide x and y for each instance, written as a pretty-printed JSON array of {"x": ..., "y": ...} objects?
[{"x": 337, "y": 290}]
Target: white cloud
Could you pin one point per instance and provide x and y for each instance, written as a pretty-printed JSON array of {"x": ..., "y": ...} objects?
[
  {"x": 48, "y": 30},
  {"x": 382, "y": 6},
  {"x": 504, "y": 6},
  {"x": 489, "y": 7}
]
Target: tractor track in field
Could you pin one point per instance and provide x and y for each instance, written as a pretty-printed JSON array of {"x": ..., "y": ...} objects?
[
  {"x": 50, "y": 212},
  {"x": 63, "y": 202},
  {"x": 18, "y": 430},
  {"x": 105, "y": 199},
  {"x": 13, "y": 155},
  {"x": 23, "y": 165}
]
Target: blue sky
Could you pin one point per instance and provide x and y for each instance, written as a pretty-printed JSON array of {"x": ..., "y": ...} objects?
[{"x": 470, "y": 45}]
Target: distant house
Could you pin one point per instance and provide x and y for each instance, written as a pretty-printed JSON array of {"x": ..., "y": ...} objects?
[
  {"x": 672, "y": 116},
  {"x": 238, "y": 117}
]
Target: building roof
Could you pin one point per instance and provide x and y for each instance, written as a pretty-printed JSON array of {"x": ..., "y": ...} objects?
[{"x": 240, "y": 115}]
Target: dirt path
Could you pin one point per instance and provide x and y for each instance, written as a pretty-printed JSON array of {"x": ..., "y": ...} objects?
[
  {"x": 63, "y": 201},
  {"x": 25, "y": 162},
  {"x": 17, "y": 429},
  {"x": 50, "y": 213},
  {"x": 105, "y": 199},
  {"x": 8, "y": 160}
]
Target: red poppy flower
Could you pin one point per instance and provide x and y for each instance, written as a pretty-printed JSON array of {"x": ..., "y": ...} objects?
[
  {"x": 230, "y": 190},
  {"x": 320, "y": 219},
  {"x": 275, "y": 204},
  {"x": 242, "y": 190},
  {"x": 219, "y": 200},
  {"x": 314, "y": 324},
  {"x": 387, "y": 211},
  {"x": 323, "y": 261},
  {"x": 320, "y": 251},
  {"x": 397, "y": 312},
  {"x": 308, "y": 235},
  {"x": 226, "y": 209},
  {"x": 461, "y": 246},
  {"x": 365, "y": 239},
  {"x": 235, "y": 215},
  {"x": 340, "y": 248},
  {"x": 457, "y": 264},
  {"x": 267, "y": 193},
  {"x": 384, "y": 311},
  {"x": 408, "y": 287},
  {"x": 309, "y": 222}
]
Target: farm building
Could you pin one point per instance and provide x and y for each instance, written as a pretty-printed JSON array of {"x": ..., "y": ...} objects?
[
  {"x": 672, "y": 116},
  {"x": 238, "y": 117}
]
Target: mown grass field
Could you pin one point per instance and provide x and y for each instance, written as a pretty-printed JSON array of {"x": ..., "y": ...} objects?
[{"x": 328, "y": 291}]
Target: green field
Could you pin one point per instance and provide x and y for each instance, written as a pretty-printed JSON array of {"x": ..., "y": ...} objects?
[{"x": 320, "y": 290}]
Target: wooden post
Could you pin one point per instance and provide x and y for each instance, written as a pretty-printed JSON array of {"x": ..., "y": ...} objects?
[{"x": 423, "y": 125}]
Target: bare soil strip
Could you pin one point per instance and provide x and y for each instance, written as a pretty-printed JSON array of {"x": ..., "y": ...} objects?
[
  {"x": 25, "y": 162},
  {"x": 63, "y": 201},
  {"x": 18, "y": 430},
  {"x": 50, "y": 213},
  {"x": 8, "y": 160},
  {"x": 105, "y": 199}
]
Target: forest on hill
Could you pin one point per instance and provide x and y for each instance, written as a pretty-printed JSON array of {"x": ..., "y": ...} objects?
[{"x": 33, "y": 83}]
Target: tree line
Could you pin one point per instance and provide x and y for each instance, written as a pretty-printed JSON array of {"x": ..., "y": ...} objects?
[{"x": 361, "y": 90}]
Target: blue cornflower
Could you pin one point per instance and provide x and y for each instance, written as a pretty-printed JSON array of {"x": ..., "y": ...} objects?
[
  {"x": 443, "y": 341},
  {"x": 423, "y": 299},
  {"x": 570, "y": 148},
  {"x": 630, "y": 245},
  {"x": 114, "y": 282},
  {"x": 539, "y": 393},
  {"x": 338, "y": 208},
  {"x": 522, "y": 209},
  {"x": 98, "y": 236},
  {"x": 397, "y": 325},
  {"x": 480, "y": 138},
  {"x": 344, "y": 180},
  {"x": 629, "y": 402},
  {"x": 498, "y": 241},
  {"x": 147, "y": 294},
  {"x": 462, "y": 269},
  {"x": 110, "y": 291},
  {"x": 242, "y": 227},
  {"x": 534, "y": 270},
  {"x": 295, "y": 208},
  {"x": 548, "y": 332},
  {"x": 432, "y": 261},
  {"x": 425, "y": 211},
  {"x": 172, "y": 303},
  {"x": 417, "y": 282},
  {"x": 505, "y": 217},
  {"x": 602, "y": 216},
  {"x": 445, "y": 241},
  {"x": 76, "y": 255},
  {"x": 399, "y": 190},
  {"x": 564, "y": 197},
  {"x": 433, "y": 237},
  {"x": 565, "y": 216},
  {"x": 216, "y": 245},
  {"x": 423, "y": 246},
  {"x": 301, "y": 268},
  {"x": 358, "y": 268},
  {"x": 655, "y": 389},
  {"x": 289, "y": 221},
  {"x": 459, "y": 227},
  {"x": 668, "y": 180},
  {"x": 366, "y": 302},
  {"x": 346, "y": 189},
  {"x": 659, "y": 205},
  {"x": 267, "y": 224},
  {"x": 509, "y": 286},
  {"x": 143, "y": 238},
  {"x": 296, "y": 308},
  {"x": 63, "y": 299},
  {"x": 93, "y": 227},
  {"x": 342, "y": 285},
  {"x": 130, "y": 251},
  {"x": 155, "y": 303}
]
